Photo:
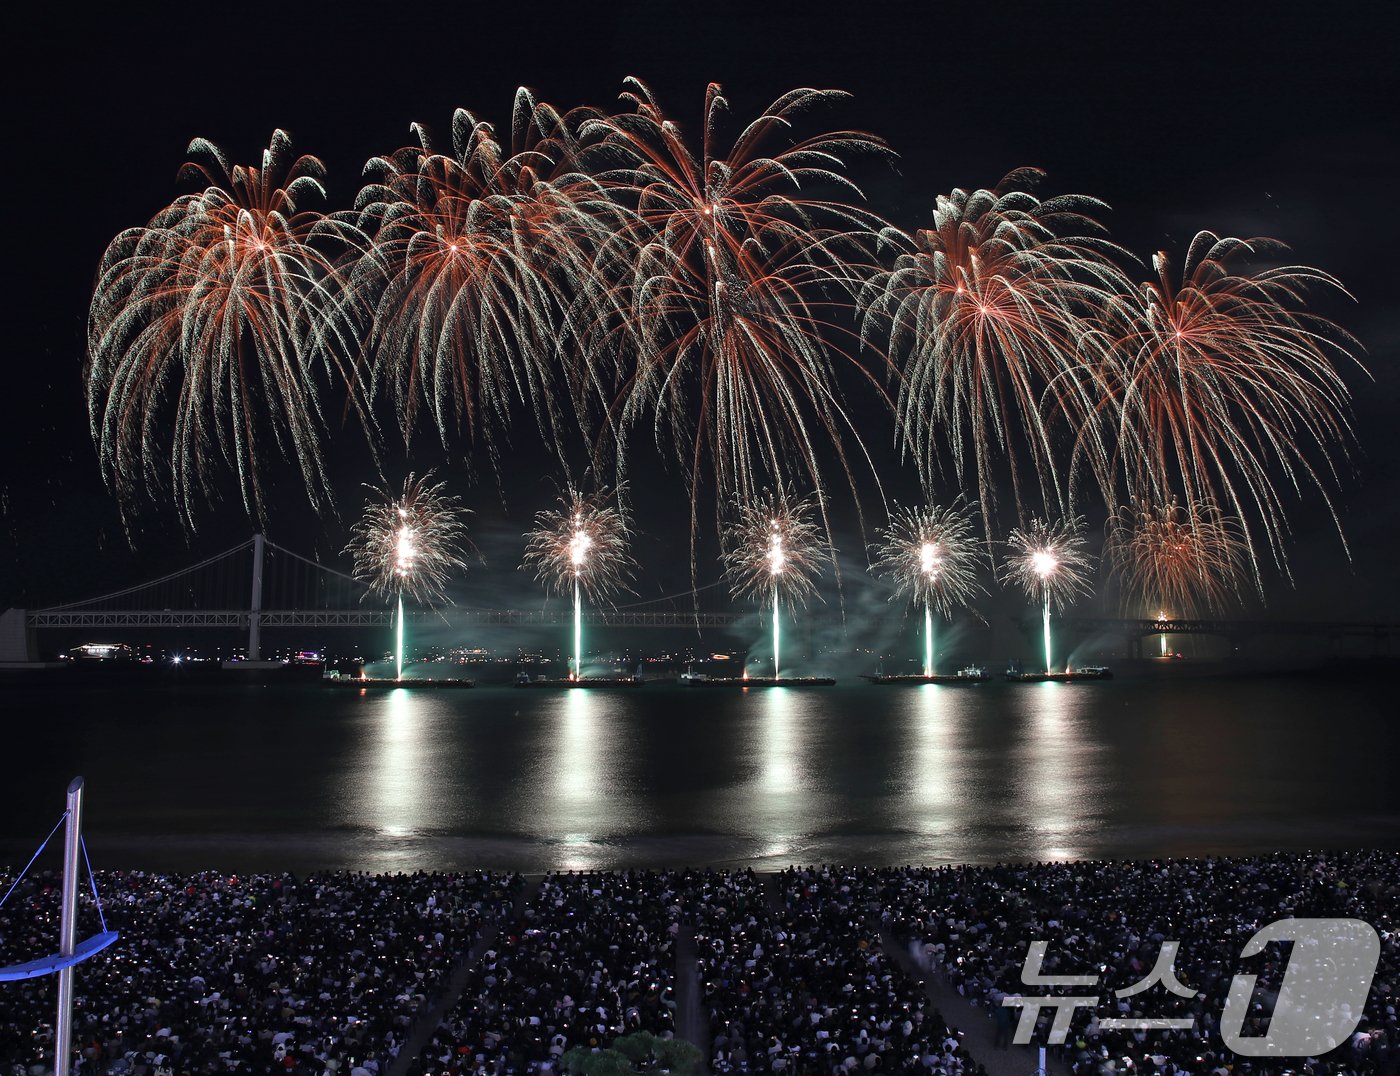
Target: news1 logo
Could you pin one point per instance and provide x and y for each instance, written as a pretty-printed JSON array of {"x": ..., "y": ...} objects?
[{"x": 1319, "y": 1002}]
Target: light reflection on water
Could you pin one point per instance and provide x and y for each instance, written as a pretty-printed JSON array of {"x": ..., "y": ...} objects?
[
  {"x": 1057, "y": 780},
  {"x": 932, "y": 717},
  {"x": 409, "y": 779}
]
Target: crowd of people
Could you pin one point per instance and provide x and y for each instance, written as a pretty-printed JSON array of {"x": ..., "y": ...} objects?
[
  {"x": 1111, "y": 920},
  {"x": 802, "y": 984},
  {"x": 216, "y": 973},
  {"x": 793, "y": 973},
  {"x": 591, "y": 959}
]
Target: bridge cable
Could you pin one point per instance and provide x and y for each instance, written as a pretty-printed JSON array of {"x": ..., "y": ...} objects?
[{"x": 153, "y": 582}]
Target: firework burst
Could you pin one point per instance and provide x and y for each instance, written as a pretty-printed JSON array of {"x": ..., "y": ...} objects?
[
  {"x": 739, "y": 278},
  {"x": 990, "y": 309},
  {"x": 1175, "y": 557},
  {"x": 215, "y": 311},
  {"x": 930, "y": 556},
  {"x": 775, "y": 545},
  {"x": 410, "y": 543},
  {"x": 581, "y": 546},
  {"x": 1048, "y": 561},
  {"x": 1221, "y": 380},
  {"x": 774, "y": 549},
  {"x": 479, "y": 266},
  {"x": 584, "y": 543}
]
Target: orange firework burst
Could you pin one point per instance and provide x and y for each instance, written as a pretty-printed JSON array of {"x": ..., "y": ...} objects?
[
  {"x": 738, "y": 269},
  {"x": 1221, "y": 380},
  {"x": 215, "y": 311},
  {"x": 1177, "y": 557},
  {"x": 989, "y": 307},
  {"x": 479, "y": 267}
]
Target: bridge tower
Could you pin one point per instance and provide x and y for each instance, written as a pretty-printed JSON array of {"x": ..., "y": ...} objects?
[{"x": 255, "y": 605}]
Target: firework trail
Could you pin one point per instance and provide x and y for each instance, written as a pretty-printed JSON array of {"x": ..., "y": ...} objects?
[
  {"x": 930, "y": 555},
  {"x": 774, "y": 548},
  {"x": 1219, "y": 380},
  {"x": 409, "y": 544},
  {"x": 739, "y": 283},
  {"x": 1177, "y": 558},
  {"x": 215, "y": 312},
  {"x": 991, "y": 309},
  {"x": 1048, "y": 562},
  {"x": 581, "y": 548},
  {"x": 478, "y": 268}
]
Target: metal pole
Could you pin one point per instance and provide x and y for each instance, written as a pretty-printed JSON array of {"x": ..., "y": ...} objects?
[
  {"x": 68, "y": 929},
  {"x": 255, "y": 607}
]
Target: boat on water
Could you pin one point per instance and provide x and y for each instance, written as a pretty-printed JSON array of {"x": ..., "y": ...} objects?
[
  {"x": 524, "y": 680},
  {"x": 1069, "y": 676},
  {"x": 701, "y": 680},
  {"x": 971, "y": 674},
  {"x": 369, "y": 683}
]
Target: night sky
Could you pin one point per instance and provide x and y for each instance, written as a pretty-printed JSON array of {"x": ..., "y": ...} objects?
[{"x": 1247, "y": 119}]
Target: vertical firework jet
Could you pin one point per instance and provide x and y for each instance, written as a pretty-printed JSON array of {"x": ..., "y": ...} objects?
[
  {"x": 479, "y": 270},
  {"x": 991, "y": 309},
  {"x": 581, "y": 548},
  {"x": 774, "y": 548},
  {"x": 212, "y": 315},
  {"x": 930, "y": 556},
  {"x": 1177, "y": 558},
  {"x": 1219, "y": 380},
  {"x": 409, "y": 544},
  {"x": 1048, "y": 562},
  {"x": 738, "y": 281}
]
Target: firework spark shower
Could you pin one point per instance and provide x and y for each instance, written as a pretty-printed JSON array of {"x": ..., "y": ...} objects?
[
  {"x": 930, "y": 557},
  {"x": 409, "y": 544},
  {"x": 581, "y": 548},
  {"x": 775, "y": 550},
  {"x": 606, "y": 277},
  {"x": 1047, "y": 560}
]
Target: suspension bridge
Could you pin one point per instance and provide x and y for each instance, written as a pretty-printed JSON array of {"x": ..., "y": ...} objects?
[
  {"x": 1235, "y": 632},
  {"x": 259, "y": 585}
]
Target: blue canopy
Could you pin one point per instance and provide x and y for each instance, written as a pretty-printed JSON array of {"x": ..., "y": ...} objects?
[{"x": 47, "y": 965}]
